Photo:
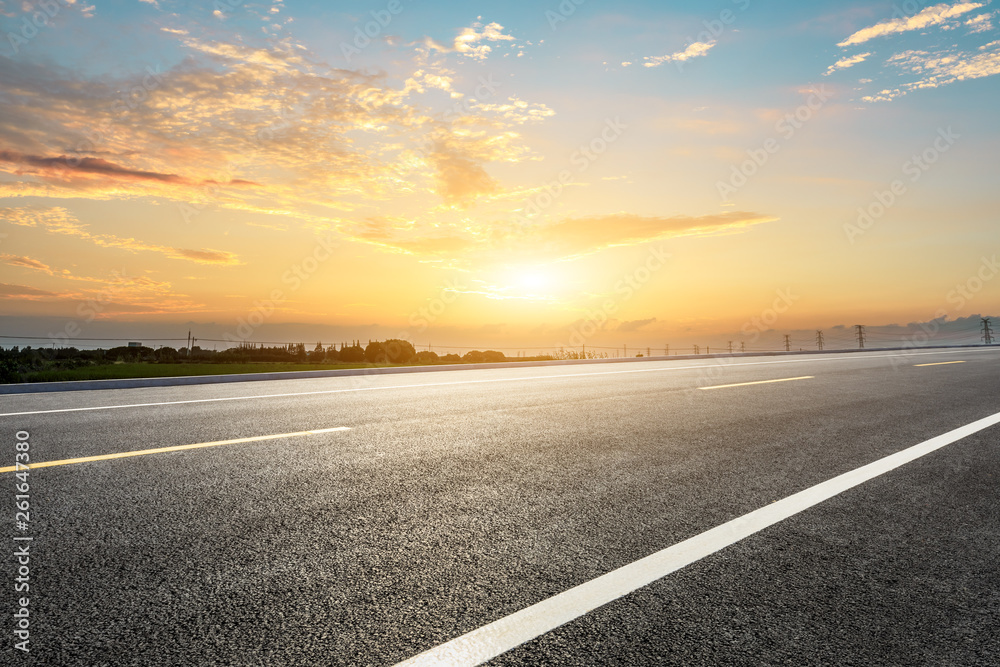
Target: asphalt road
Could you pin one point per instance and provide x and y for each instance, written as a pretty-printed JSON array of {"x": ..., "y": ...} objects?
[{"x": 461, "y": 497}]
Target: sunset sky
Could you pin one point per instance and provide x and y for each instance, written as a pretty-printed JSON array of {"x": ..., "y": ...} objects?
[{"x": 479, "y": 173}]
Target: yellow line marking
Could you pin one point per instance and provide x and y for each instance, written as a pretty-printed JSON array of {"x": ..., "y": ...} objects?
[
  {"x": 177, "y": 448},
  {"x": 941, "y": 363},
  {"x": 746, "y": 384}
]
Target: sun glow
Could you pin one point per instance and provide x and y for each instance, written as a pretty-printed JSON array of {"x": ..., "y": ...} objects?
[{"x": 535, "y": 280}]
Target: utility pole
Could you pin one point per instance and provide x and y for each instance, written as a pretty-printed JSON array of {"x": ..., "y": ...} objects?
[
  {"x": 987, "y": 331},
  {"x": 730, "y": 347},
  {"x": 819, "y": 340},
  {"x": 697, "y": 350},
  {"x": 788, "y": 343},
  {"x": 743, "y": 347},
  {"x": 666, "y": 350},
  {"x": 861, "y": 335},
  {"x": 708, "y": 350},
  {"x": 648, "y": 354},
  {"x": 624, "y": 351},
  {"x": 189, "y": 343}
]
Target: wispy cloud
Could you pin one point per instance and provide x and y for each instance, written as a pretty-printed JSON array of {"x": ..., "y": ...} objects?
[
  {"x": 57, "y": 220},
  {"x": 634, "y": 325},
  {"x": 565, "y": 239},
  {"x": 694, "y": 50},
  {"x": 8, "y": 290},
  {"x": 844, "y": 63},
  {"x": 941, "y": 68},
  {"x": 69, "y": 167},
  {"x": 26, "y": 262},
  {"x": 930, "y": 16}
]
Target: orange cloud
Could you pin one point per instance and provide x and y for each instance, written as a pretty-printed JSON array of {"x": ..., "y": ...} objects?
[
  {"x": 575, "y": 237},
  {"x": 566, "y": 239},
  {"x": 266, "y": 130},
  {"x": 27, "y": 262},
  {"x": 89, "y": 166},
  {"x": 57, "y": 220},
  {"x": 9, "y": 291}
]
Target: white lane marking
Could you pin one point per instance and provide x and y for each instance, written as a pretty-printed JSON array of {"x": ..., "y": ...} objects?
[
  {"x": 461, "y": 382},
  {"x": 747, "y": 384},
  {"x": 511, "y": 631},
  {"x": 173, "y": 448},
  {"x": 940, "y": 363}
]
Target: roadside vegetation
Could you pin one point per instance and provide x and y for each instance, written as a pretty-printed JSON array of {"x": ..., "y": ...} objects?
[{"x": 51, "y": 365}]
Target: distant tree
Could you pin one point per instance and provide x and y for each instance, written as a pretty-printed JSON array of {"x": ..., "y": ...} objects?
[
  {"x": 352, "y": 354},
  {"x": 375, "y": 352},
  {"x": 331, "y": 353},
  {"x": 300, "y": 352},
  {"x": 451, "y": 359},
  {"x": 318, "y": 353},
  {"x": 493, "y": 356},
  {"x": 126, "y": 353},
  {"x": 398, "y": 351},
  {"x": 427, "y": 357},
  {"x": 166, "y": 354},
  {"x": 473, "y": 357},
  {"x": 10, "y": 372}
]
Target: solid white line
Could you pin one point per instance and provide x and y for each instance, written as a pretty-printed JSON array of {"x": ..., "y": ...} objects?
[
  {"x": 511, "y": 631},
  {"x": 747, "y": 384},
  {"x": 461, "y": 382}
]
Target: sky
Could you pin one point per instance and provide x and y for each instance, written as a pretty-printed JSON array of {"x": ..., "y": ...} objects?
[{"x": 482, "y": 174}]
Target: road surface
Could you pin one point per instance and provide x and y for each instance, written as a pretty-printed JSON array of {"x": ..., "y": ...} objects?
[{"x": 368, "y": 520}]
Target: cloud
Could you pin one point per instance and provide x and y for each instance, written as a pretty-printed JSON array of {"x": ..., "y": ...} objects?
[
  {"x": 844, "y": 63},
  {"x": 264, "y": 130},
  {"x": 695, "y": 50},
  {"x": 87, "y": 165},
  {"x": 27, "y": 262},
  {"x": 930, "y": 16},
  {"x": 200, "y": 256},
  {"x": 468, "y": 40},
  {"x": 575, "y": 237},
  {"x": 635, "y": 325},
  {"x": 23, "y": 292},
  {"x": 57, "y": 220},
  {"x": 457, "y": 157},
  {"x": 566, "y": 239},
  {"x": 941, "y": 68},
  {"x": 460, "y": 178},
  {"x": 980, "y": 23}
]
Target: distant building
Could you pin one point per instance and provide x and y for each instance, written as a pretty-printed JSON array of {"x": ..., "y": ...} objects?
[{"x": 131, "y": 344}]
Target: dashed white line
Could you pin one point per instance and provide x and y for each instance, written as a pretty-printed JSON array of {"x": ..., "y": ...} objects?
[
  {"x": 173, "y": 448},
  {"x": 464, "y": 382},
  {"x": 747, "y": 384}
]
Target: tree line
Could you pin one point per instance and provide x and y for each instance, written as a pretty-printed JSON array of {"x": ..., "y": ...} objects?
[{"x": 15, "y": 362}]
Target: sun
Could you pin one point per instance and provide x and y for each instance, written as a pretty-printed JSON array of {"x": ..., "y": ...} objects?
[{"x": 535, "y": 280}]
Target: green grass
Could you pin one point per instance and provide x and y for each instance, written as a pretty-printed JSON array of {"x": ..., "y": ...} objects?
[{"x": 143, "y": 370}]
